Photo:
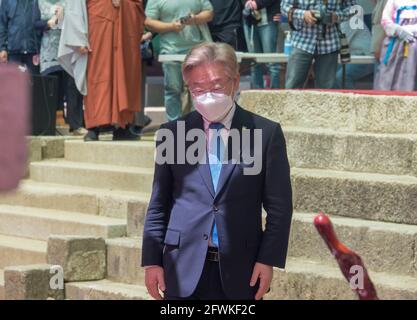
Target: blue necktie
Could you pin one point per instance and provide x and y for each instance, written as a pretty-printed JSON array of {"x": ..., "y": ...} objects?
[{"x": 216, "y": 153}]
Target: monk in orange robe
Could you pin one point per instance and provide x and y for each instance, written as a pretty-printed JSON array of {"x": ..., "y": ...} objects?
[{"x": 115, "y": 28}]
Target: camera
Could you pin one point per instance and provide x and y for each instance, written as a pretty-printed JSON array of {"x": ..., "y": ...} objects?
[
  {"x": 322, "y": 15},
  {"x": 248, "y": 13},
  {"x": 344, "y": 49},
  {"x": 185, "y": 19}
]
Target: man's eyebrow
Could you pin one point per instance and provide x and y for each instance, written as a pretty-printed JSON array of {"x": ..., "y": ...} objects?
[{"x": 214, "y": 81}]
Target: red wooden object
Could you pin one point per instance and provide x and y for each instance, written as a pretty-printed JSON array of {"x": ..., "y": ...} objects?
[{"x": 346, "y": 259}]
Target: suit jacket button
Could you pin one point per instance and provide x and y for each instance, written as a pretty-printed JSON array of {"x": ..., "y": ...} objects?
[
  {"x": 215, "y": 209},
  {"x": 205, "y": 237}
]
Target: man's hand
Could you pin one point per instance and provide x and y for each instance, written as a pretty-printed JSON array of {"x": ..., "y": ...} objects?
[
  {"x": 84, "y": 50},
  {"x": 116, "y": 3},
  {"x": 277, "y": 17},
  {"x": 4, "y": 57},
  {"x": 177, "y": 26},
  {"x": 52, "y": 22},
  {"x": 154, "y": 279},
  {"x": 252, "y": 4},
  {"x": 264, "y": 273},
  {"x": 405, "y": 35},
  {"x": 309, "y": 17},
  {"x": 146, "y": 36}
]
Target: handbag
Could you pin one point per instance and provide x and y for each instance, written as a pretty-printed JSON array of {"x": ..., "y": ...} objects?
[{"x": 146, "y": 50}]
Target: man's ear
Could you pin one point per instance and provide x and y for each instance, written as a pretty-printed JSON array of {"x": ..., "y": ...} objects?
[{"x": 237, "y": 83}]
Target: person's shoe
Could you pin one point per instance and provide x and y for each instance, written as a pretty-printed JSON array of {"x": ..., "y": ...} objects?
[
  {"x": 136, "y": 130},
  {"x": 92, "y": 135},
  {"x": 121, "y": 134},
  {"x": 147, "y": 121},
  {"x": 79, "y": 132}
]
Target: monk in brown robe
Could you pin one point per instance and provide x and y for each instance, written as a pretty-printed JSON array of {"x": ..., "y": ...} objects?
[{"x": 115, "y": 28}]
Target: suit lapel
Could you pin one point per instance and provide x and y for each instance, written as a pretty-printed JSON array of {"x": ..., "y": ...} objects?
[
  {"x": 196, "y": 122},
  {"x": 238, "y": 123}
]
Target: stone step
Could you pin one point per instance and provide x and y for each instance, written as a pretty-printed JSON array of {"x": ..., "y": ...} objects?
[
  {"x": 303, "y": 279},
  {"x": 333, "y": 110},
  {"x": 309, "y": 280},
  {"x": 1, "y": 284},
  {"x": 135, "y": 154},
  {"x": 39, "y": 224},
  {"x": 49, "y": 147},
  {"x": 384, "y": 247},
  {"x": 370, "y": 196},
  {"x": 357, "y": 152},
  {"x": 104, "y": 290},
  {"x": 16, "y": 251},
  {"x": 157, "y": 114},
  {"x": 307, "y": 148},
  {"x": 380, "y": 197},
  {"x": 123, "y": 260},
  {"x": 93, "y": 175},
  {"x": 114, "y": 203}
]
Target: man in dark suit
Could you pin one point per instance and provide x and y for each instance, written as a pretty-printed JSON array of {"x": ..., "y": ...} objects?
[{"x": 203, "y": 235}]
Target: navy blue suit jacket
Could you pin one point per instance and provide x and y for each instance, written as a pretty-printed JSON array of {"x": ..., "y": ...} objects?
[{"x": 184, "y": 206}]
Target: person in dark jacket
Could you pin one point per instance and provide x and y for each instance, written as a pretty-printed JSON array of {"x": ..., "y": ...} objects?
[
  {"x": 261, "y": 34},
  {"x": 226, "y": 22},
  {"x": 19, "y": 41}
]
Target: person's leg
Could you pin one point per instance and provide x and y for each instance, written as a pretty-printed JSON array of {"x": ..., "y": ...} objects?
[
  {"x": 299, "y": 64},
  {"x": 61, "y": 89},
  {"x": 283, "y": 27},
  {"x": 210, "y": 284},
  {"x": 268, "y": 35},
  {"x": 168, "y": 297},
  {"x": 338, "y": 83},
  {"x": 173, "y": 85},
  {"x": 15, "y": 58},
  {"x": 139, "y": 122},
  {"x": 354, "y": 72},
  {"x": 75, "y": 113},
  {"x": 28, "y": 60},
  {"x": 325, "y": 67},
  {"x": 254, "y": 46}
]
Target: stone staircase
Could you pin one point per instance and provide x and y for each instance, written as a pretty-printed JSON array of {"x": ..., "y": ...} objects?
[
  {"x": 84, "y": 193},
  {"x": 354, "y": 157}
]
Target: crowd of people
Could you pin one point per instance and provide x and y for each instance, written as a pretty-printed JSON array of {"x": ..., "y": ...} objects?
[{"x": 94, "y": 48}]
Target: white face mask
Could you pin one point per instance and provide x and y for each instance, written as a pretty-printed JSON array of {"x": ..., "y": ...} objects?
[{"x": 213, "y": 106}]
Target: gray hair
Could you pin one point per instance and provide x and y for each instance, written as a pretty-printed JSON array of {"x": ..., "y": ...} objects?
[{"x": 211, "y": 52}]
